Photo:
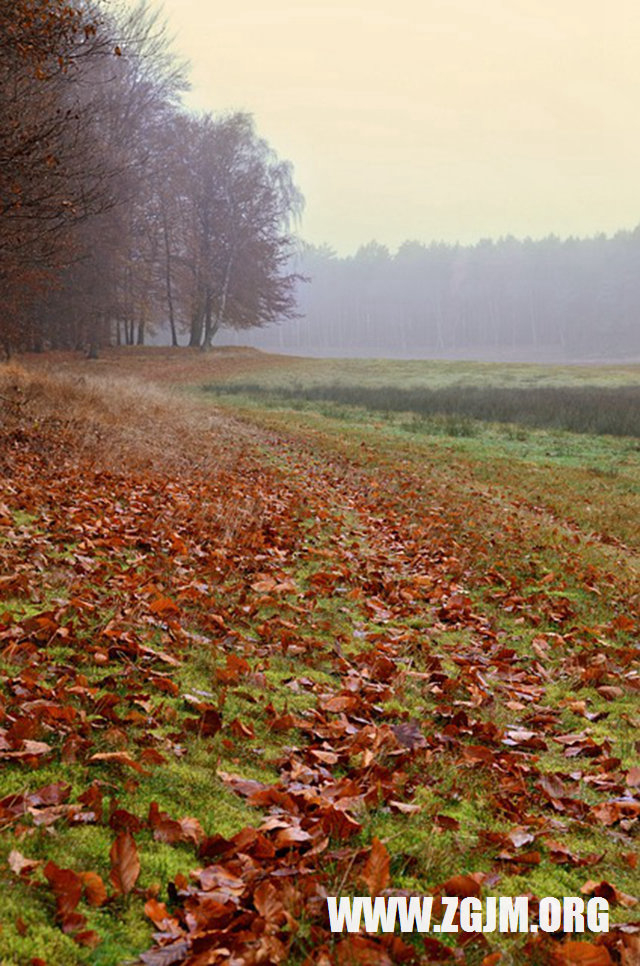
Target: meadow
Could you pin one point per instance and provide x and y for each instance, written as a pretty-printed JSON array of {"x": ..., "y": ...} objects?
[
  {"x": 283, "y": 647},
  {"x": 584, "y": 399}
]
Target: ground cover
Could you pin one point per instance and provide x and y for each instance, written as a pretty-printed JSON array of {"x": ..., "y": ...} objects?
[
  {"x": 585, "y": 399},
  {"x": 580, "y": 409},
  {"x": 253, "y": 657},
  {"x": 427, "y": 373}
]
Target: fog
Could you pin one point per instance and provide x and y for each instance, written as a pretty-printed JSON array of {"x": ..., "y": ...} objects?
[{"x": 551, "y": 300}]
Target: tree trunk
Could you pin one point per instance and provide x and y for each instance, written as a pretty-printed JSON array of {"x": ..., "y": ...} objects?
[
  {"x": 213, "y": 328},
  {"x": 208, "y": 321},
  {"x": 195, "y": 334},
  {"x": 169, "y": 288},
  {"x": 128, "y": 331}
]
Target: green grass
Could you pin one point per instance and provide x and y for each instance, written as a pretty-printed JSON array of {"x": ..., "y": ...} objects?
[
  {"x": 581, "y": 409},
  {"x": 591, "y": 480},
  {"x": 182, "y": 786}
]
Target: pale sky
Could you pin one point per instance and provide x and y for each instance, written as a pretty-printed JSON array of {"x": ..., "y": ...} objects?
[{"x": 436, "y": 120}]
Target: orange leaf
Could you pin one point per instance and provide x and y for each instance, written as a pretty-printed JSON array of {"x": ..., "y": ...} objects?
[
  {"x": 581, "y": 954},
  {"x": 95, "y": 892},
  {"x": 164, "y": 607},
  {"x": 157, "y": 913}
]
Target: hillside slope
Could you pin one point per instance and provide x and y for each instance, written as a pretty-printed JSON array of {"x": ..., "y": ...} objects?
[{"x": 249, "y": 659}]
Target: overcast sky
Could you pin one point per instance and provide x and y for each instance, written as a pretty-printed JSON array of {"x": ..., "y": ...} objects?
[{"x": 433, "y": 119}]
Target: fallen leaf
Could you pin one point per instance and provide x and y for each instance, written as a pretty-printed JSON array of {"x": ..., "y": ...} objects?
[{"x": 125, "y": 864}]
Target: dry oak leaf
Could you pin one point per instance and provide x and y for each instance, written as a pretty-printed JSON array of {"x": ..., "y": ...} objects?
[
  {"x": 376, "y": 871},
  {"x": 125, "y": 864}
]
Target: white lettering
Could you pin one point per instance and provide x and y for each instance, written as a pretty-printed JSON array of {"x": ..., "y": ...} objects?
[
  {"x": 471, "y": 914},
  {"x": 514, "y": 914},
  {"x": 451, "y": 904},
  {"x": 598, "y": 914},
  {"x": 550, "y": 914}
]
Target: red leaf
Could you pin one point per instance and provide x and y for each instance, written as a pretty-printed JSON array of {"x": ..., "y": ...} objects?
[{"x": 461, "y": 885}]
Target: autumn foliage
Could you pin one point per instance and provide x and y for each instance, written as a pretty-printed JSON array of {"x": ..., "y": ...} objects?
[{"x": 381, "y": 694}]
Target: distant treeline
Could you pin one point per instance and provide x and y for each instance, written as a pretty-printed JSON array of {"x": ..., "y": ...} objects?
[
  {"x": 611, "y": 410},
  {"x": 572, "y": 298}
]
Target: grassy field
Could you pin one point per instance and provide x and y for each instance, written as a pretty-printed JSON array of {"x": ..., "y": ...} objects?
[
  {"x": 291, "y": 372},
  {"x": 340, "y": 651}
]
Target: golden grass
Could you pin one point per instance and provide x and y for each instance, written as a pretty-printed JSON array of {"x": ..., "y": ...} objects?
[
  {"x": 121, "y": 425},
  {"x": 118, "y": 423}
]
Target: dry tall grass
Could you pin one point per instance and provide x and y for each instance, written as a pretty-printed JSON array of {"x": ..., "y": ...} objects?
[
  {"x": 120, "y": 423},
  {"x": 124, "y": 426}
]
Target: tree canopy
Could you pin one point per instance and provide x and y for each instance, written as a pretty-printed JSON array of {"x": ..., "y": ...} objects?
[{"x": 120, "y": 210}]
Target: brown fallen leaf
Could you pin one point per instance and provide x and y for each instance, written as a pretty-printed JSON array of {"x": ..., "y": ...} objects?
[
  {"x": 609, "y": 892},
  {"x": 67, "y": 887},
  {"x": 94, "y": 888},
  {"x": 376, "y": 871},
  {"x": 462, "y": 886},
  {"x": 633, "y": 777},
  {"x": 580, "y": 954},
  {"x": 166, "y": 955},
  {"x": 118, "y": 758},
  {"x": 157, "y": 913},
  {"x": 125, "y": 864}
]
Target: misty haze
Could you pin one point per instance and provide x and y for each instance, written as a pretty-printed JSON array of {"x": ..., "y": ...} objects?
[{"x": 551, "y": 300}]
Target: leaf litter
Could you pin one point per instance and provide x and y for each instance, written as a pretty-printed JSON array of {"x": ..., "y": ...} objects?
[{"x": 381, "y": 599}]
